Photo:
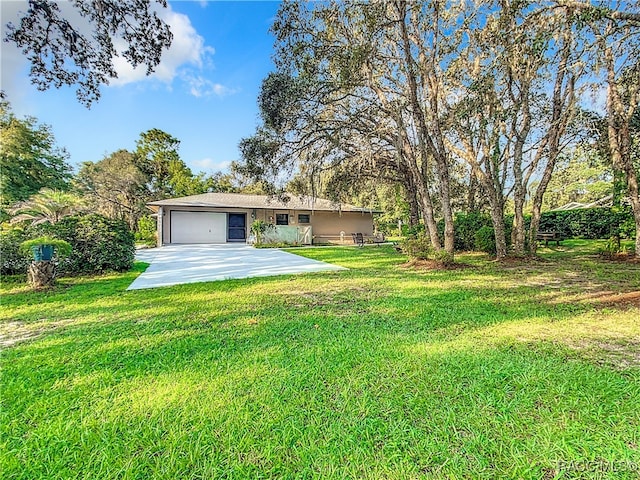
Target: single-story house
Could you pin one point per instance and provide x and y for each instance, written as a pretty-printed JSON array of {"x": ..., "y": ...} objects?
[{"x": 227, "y": 217}]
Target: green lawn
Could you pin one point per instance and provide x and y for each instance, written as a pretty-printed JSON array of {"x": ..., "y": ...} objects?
[{"x": 519, "y": 370}]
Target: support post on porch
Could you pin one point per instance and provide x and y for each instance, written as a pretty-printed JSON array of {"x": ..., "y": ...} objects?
[{"x": 160, "y": 219}]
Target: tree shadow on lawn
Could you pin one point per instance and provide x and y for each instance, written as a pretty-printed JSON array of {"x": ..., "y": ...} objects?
[
  {"x": 427, "y": 372},
  {"x": 390, "y": 300},
  {"x": 451, "y": 363},
  {"x": 202, "y": 317},
  {"x": 433, "y": 303},
  {"x": 81, "y": 288},
  {"x": 434, "y": 409}
]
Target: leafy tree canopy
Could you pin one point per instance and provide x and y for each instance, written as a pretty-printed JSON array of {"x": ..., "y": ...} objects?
[
  {"x": 165, "y": 173},
  {"x": 78, "y": 47},
  {"x": 29, "y": 158},
  {"x": 115, "y": 186},
  {"x": 157, "y": 158}
]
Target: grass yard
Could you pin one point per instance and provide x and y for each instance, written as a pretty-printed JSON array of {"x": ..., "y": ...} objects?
[{"x": 521, "y": 370}]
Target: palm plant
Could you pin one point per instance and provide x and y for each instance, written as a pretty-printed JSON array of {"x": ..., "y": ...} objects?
[{"x": 46, "y": 206}]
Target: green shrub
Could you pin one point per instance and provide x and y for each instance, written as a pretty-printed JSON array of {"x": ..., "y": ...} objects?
[
  {"x": 418, "y": 248},
  {"x": 467, "y": 224},
  {"x": 485, "y": 240},
  {"x": 465, "y": 227},
  {"x": 12, "y": 260},
  {"x": 611, "y": 248},
  {"x": 147, "y": 231},
  {"x": 583, "y": 223},
  {"x": 258, "y": 228},
  {"x": 98, "y": 244},
  {"x": 443, "y": 257},
  {"x": 276, "y": 245},
  {"x": 413, "y": 231},
  {"x": 599, "y": 222},
  {"x": 627, "y": 228}
]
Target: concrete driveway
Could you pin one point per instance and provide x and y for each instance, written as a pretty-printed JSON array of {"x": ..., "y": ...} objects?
[{"x": 177, "y": 264}]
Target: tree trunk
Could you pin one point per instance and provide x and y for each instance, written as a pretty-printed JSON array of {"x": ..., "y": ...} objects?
[
  {"x": 426, "y": 204},
  {"x": 518, "y": 236},
  {"x": 410, "y": 196},
  {"x": 533, "y": 230},
  {"x": 471, "y": 194},
  {"x": 519, "y": 192},
  {"x": 414, "y": 210},
  {"x": 635, "y": 205},
  {"x": 497, "y": 218},
  {"x": 41, "y": 274},
  {"x": 562, "y": 105},
  {"x": 442, "y": 166},
  {"x": 620, "y": 153},
  {"x": 620, "y": 141},
  {"x": 424, "y": 139}
]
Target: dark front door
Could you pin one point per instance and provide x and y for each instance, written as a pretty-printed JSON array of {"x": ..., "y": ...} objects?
[{"x": 237, "y": 227}]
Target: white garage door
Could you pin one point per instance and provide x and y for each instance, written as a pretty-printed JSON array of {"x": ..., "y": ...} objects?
[{"x": 198, "y": 227}]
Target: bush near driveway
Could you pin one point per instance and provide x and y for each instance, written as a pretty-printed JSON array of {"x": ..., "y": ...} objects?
[
  {"x": 99, "y": 244},
  {"x": 12, "y": 260}
]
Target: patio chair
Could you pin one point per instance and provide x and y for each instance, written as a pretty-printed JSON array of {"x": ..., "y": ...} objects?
[{"x": 358, "y": 239}]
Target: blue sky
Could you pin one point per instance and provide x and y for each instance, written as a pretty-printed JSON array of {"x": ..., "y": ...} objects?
[{"x": 204, "y": 92}]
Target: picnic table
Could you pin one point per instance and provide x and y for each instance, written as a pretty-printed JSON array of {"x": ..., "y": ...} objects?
[{"x": 547, "y": 237}]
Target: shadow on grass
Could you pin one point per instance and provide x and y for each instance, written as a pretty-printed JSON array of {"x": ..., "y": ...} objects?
[
  {"x": 282, "y": 395},
  {"x": 405, "y": 372},
  {"x": 377, "y": 291}
]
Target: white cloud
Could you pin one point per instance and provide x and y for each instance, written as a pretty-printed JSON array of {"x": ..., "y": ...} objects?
[
  {"x": 187, "y": 49},
  {"x": 200, "y": 86},
  {"x": 187, "y": 59},
  {"x": 209, "y": 164},
  {"x": 14, "y": 63}
]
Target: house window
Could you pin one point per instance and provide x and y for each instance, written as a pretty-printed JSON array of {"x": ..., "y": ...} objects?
[
  {"x": 282, "y": 219},
  {"x": 304, "y": 218}
]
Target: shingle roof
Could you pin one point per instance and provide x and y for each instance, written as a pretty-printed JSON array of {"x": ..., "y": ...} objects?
[{"x": 240, "y": 200}]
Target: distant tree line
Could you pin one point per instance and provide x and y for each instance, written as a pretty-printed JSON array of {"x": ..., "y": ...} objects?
[{"x": 39, "y": 186}]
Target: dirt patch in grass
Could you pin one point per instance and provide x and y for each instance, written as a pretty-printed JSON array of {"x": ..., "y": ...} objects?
[
  {"x": 14, "y": 332},
  {"x": 511, "y": 261},
  {"x": 623, "y": 301},
  {"x": 626, "y": 257},
  {"x": 434, "y": 265},
  {"x": 620, "y": 354},
  {"x": 329, "y": 297}
]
